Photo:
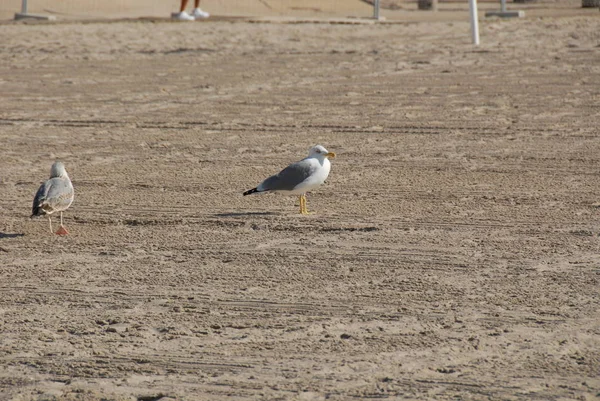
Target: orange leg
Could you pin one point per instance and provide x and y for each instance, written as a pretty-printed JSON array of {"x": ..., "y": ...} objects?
[{"x": 62, "y": 230}]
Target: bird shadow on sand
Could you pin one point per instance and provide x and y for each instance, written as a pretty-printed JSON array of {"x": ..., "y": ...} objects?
[
  {"x": 6, "y": 235},
  {"x": 243, "y": 214}
]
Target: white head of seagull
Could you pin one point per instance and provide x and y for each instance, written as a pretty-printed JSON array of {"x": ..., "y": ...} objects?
[
  {"x": 58, "y": 170},
  {"x": 320, "y": 153}
]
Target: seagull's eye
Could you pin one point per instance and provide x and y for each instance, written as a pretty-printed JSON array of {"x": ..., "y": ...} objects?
[{"x": 318, "y": 151}]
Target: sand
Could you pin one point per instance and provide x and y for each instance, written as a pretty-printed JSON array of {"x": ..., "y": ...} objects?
[{"x": 452, "y": 254}]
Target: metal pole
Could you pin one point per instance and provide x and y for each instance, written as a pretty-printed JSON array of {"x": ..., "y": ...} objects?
[
  {"x": 503, "y": 6},
  {"x": 375, "y": 9},
  {"x": 474, "y": 22},
  {"x": 23, "y": 14}
]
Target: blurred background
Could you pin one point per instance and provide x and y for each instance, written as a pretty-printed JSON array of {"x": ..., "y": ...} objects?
[{"x": 390, "y": 9}]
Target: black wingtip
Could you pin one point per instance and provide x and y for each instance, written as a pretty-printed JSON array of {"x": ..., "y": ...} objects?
[
  {"x": 38, "y": 211},
  {"x": 251, "y": 191}
]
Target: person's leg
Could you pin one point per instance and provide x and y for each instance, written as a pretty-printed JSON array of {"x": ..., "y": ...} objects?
[
  {"x": 183, "y": 5},
  {"x": 182, "y": 15},
  {"x": 198, "y": 13}
]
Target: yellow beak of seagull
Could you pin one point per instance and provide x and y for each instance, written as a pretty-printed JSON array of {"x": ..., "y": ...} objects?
[{"x": 331, "y": 155}]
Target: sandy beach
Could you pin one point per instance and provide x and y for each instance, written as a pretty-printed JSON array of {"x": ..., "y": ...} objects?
[{"x": 453, "y": 253}]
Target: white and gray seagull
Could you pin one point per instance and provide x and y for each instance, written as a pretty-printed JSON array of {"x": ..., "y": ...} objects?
[
  {"x": 54, "y": 195},
  {"x": 300, "y": 177}
]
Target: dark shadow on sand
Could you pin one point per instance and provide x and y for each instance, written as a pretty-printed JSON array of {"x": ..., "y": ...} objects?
[
  {"x": 6, "y": 235},
  {"x": 241, "y": 214}
]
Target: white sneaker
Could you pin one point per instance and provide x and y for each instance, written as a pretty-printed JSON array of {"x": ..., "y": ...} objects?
[
  {"x": 198, "y": 13},
  {"x": 182, "y": 16}
]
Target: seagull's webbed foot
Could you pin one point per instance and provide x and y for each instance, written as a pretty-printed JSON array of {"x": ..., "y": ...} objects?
[{"x": 62, "y": 231}]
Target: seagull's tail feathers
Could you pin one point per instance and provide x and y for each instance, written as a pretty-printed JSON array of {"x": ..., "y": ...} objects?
[
  {"x": 37, "y": 210},
  {"x": 251, "y": 191}
]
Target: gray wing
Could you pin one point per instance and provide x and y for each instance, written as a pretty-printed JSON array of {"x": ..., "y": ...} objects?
[
  {"x": 288, "y": 178},
  {"x": 54, "y": 195},
  {"x": 38, "y": 200}
]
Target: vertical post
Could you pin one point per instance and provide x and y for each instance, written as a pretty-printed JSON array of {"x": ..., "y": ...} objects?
[
  {"x": 503, "y": 6},
  {"x": 23, "y": 14},
  {"x": 375, "y": 9},
  {"x": 474, "y": 22}
]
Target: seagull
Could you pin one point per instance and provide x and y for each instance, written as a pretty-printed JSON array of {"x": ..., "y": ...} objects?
[
  {"x": 300, "y": 177},
  {"x": 54, "y": 195}
]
